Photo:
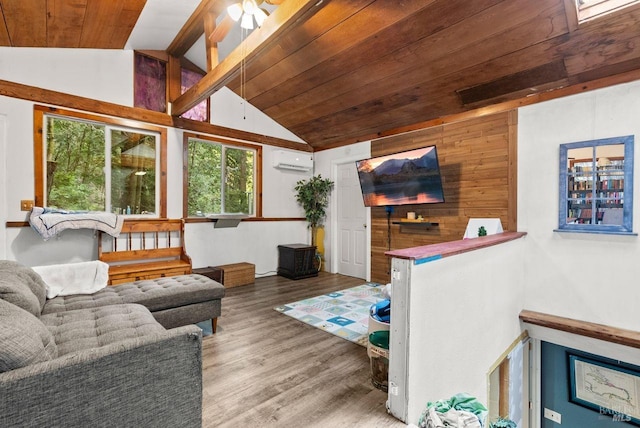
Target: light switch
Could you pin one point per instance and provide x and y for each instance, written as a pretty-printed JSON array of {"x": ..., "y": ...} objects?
[
  {"x": 26, "y": 205},
  {"x": 553, "y": 416}
]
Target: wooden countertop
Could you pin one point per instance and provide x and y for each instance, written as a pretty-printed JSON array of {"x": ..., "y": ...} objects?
[{"x": 427, "y": 253}]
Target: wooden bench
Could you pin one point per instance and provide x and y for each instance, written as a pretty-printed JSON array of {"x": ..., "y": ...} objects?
[{"x": 145, "y": 249}]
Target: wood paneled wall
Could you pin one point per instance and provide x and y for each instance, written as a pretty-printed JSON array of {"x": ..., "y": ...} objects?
[{"x": 478, "y": 160}]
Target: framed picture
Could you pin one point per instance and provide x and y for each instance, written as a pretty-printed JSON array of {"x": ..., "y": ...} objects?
[{"x": 609, "y": 389}]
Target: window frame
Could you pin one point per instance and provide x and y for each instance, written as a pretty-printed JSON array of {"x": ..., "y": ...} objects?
[
  {"x": 39, "y": 113},
  {"x": 599, "y": 8},
  {"x": 226, "y": 143},
  {"x": 626, "y": 228}
]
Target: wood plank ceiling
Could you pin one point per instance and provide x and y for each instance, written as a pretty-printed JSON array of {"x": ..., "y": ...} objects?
[
  {"x": 68, "y": 23},
  {"x": 358, "y": 68},
  {"x": 355, "y": 69}
]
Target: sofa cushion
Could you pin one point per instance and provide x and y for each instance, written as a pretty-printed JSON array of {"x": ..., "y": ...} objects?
[
  {"x": 155, "y": 294},
  {"x": 22, "y": 286},
  {"x": 95, "y": 327},
  {"x": 25, "y": 339}
]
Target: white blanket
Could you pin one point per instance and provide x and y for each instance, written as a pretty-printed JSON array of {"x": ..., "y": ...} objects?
[
  {"x": 48, "y": 222},
  {"x": 74, "y": 278}
]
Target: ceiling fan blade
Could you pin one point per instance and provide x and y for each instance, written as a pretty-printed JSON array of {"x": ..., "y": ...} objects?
[{"x": 221, "y": 30}]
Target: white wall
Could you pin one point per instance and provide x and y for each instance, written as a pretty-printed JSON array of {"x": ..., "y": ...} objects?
[
  {"x": 101, "y": 74},
  {"x": 228, "y": 109},
  {"x": 584, "y": 276},
  {"x": 107, "y": 75}
]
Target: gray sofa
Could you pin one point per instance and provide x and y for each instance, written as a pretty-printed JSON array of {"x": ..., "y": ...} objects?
[{"x": 99, "y": 361}]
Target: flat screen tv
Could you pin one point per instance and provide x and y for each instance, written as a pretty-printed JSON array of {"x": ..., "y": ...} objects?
[{"x": 410, "y": 177}]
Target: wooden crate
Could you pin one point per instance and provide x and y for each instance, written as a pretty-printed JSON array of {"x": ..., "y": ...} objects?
[
  {"x": 236, "y": 274},
  {"x": 211, "y": 272}
]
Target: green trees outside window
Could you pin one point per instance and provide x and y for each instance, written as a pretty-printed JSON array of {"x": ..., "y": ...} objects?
[
  {"x": 221, "y": 179},
  {"x": 80, "y": 176}
]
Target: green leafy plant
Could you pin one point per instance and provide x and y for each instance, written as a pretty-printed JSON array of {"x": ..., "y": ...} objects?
[
  {"x": 482, "y": 231},
  {"x": 313, "y": 196}
]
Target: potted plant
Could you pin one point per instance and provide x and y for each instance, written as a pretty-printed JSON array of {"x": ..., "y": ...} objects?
[{"x": 313, "y": 196}]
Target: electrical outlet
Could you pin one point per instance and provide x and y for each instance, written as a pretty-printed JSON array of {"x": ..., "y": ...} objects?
[
  {"x": 552, "y": 416},
  {"x": 26, "y": 205}
]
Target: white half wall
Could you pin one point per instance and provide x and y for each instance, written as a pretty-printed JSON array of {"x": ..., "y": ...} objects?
[
  {"x": 462, "y": 315},
  {"x": 585, "y": 276}
]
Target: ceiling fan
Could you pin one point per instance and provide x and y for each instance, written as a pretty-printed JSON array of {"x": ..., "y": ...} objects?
[{"x": 245, "y": 11}]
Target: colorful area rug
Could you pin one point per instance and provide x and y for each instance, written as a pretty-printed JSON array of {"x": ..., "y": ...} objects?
[{"x": 344, "y": 313}]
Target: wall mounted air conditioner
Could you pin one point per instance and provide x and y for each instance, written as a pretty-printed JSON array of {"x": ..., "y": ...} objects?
[{"x": 283, "y": 159}]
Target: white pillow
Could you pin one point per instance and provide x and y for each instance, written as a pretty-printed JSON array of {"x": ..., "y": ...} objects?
[{"x": 74, "y": 278}]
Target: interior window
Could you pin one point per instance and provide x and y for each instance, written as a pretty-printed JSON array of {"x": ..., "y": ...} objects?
[
  {"x": 222, "y": 177},
  {"x": 596, "y": 186},
  {"x": 199, "y": 112},
  {"x": 87, "y": 163}
]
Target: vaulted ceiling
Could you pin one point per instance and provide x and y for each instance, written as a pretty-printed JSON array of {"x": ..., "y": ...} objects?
[{"x": 342, "y": 71}]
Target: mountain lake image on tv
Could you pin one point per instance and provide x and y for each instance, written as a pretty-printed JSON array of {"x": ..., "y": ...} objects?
[{"x": 410, "y": 177}]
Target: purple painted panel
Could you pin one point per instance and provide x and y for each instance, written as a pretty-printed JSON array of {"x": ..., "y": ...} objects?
[
  {"x": 200, "y": 112},
  {"x": 150, "y": 84}
]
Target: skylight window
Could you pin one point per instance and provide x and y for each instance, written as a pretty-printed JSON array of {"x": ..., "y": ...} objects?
[{"x": 590, "y": 9}]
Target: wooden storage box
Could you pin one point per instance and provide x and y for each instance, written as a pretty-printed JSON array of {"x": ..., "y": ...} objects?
[
  {"x": 236, "y": 274},
  {"x": 211, "y": 272}
]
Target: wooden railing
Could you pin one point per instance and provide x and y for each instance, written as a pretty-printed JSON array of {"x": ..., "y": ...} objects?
[{"x": 584, "y": 328}]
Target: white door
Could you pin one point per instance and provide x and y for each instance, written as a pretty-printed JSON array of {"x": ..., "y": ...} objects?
[{"x": 352, "y": 223}]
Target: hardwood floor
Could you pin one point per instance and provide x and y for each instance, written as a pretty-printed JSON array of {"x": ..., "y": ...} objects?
[{"x": 265, "y": 369}]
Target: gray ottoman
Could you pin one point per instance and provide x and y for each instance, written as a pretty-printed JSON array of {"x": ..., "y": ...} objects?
[{"x": 174, "y": 301}]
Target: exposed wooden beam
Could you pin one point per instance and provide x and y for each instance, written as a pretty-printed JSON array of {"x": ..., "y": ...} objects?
[
  {"x": 194, "y": 27},
  {"x": 285, "y": 16},
  {"x": 174, "y": 77},
  {"x": 210, "y": 29},
  {"x": 221, "y": 31},
  {"x": 59, "y": 99},
  {"x": 202, "y": 127}
]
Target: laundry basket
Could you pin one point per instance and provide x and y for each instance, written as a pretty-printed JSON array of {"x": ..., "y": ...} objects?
[{"x": 379, "y": 358}]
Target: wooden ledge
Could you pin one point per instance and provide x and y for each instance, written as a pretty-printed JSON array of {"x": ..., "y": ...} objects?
[
  {"x": 583, "y": 328},
  {"x": 445, "y": 249}
]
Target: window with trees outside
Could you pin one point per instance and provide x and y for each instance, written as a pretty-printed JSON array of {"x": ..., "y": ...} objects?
[
  {"x": 91, "y": 163},
  {"x": 221, "y": 177}
]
